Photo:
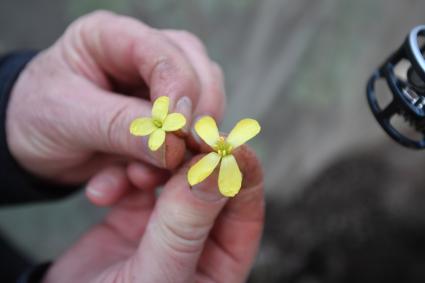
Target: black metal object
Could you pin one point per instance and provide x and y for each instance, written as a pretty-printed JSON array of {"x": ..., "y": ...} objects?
[{"x": 408, "y": 95}]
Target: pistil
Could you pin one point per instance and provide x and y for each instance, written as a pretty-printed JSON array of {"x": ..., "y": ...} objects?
[{"x": 222, "y": 147}]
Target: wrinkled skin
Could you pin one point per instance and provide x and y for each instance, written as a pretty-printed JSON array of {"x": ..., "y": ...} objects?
[
  {"x": 68, "y": 119},
  {"x": 67, "y": 122},
  {"x": 187, "y": 235}
]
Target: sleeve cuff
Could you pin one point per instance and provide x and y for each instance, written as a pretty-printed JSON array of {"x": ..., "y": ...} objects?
[{"x": 35, "y": 274}]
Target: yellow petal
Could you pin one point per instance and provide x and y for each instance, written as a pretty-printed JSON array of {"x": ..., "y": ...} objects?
[
  {"x": 230, "y": 177},
  {"x": 142, "y": 127},
  {"x": 244, "y": 130},
  {"x": 156, "y": 139},
  {"x": 203, "y": 168},
  {"x": 206, "y": 128},
  {"x": 174, "y": 122},
  {"x": 160, "y": 108}
]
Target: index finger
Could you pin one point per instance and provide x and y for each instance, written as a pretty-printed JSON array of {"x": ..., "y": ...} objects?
[{"x": 129, "y": 51}]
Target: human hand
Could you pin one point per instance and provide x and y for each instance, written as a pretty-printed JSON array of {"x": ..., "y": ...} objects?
[
  {"x": 69, "y": 112},
  {"x": 188, "y": 235}
]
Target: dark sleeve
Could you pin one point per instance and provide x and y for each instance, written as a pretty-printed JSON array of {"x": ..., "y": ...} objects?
[
  {"x": 34, "y": 274},
  {"x": 17, "y": 185}
]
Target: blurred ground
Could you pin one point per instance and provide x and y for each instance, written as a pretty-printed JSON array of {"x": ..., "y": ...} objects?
[{"x": 300, "y": 67}]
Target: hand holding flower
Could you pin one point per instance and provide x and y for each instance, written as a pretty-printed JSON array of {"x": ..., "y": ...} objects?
[{"x": 160, "y": 123}]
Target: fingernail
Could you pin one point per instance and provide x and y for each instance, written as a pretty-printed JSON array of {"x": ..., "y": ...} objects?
[
  {"x": 100, "y": 186},
  {"x": 156, "y": 158},
  {"x": 184, "y": 106},
  {"x": 207, "y": 190}
]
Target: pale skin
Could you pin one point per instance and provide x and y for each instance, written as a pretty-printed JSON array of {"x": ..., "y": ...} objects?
[{"x": 67, "y": 122}]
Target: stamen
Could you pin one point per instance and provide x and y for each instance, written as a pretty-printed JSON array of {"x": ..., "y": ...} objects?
[{"x": 222, "y": 147}]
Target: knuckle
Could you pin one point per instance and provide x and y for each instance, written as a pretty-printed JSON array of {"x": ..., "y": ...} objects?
[
  {"x": 217, "y": 71},
  {"x": 109, "y": 24},
  {"x": 100, "y": 15},
  {"x": 191, "y": 39},
  {"x": 94, "y": 20},
  {"x": 114, "y": 125},
  {"x": 85, "y": 25}
]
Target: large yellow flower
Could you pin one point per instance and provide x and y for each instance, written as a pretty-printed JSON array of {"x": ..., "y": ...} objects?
[
  {"x": 230, "y": 177},
  {"x": 158, "y": 124}
]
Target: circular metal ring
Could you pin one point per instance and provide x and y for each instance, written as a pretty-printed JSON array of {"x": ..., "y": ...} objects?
[{"x": 414, "y": 51}]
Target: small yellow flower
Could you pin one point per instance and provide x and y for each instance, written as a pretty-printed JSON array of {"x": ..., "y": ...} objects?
[
  {"x": 230, "y": 177},
  {"x": 158, "y": 124}
]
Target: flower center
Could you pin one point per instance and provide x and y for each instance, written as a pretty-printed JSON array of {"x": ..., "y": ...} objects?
[
  {"x": 157, "y": 123},
  {"x": 222, "y": 147}
]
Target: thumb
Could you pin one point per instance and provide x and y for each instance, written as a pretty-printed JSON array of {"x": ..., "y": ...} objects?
[{"x": 179, "y": 226}]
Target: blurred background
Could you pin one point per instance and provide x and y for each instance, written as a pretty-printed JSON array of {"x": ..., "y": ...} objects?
[{"x": 345, "y": 204}]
